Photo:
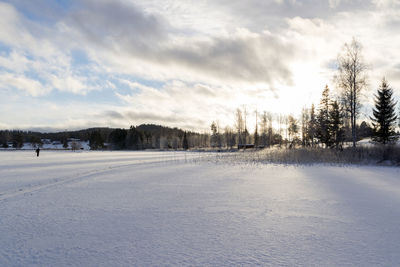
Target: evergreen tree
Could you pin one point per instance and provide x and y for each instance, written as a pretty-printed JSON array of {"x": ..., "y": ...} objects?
[
  {"x": 96, "y": 141},
  {"x": 214, "y": 134},
  {"x": 336, "y": 131},
  {"x": 293, "y": 128},
  {"x": 323, "y": 120},
  {"x": 65, "y": 143},
  {"x": 305, "y": 118},
  {"x": 185, "y": 143},
  {"x": 18, "y": 139},
  {"x": 364, "y": 130},
  {"x": 265, "y": 139},
  {"x": 264, "y": 129},
  {"x": 134, "y": 139},
  {"x": 117, "y": 138},
  {"x": 230, "y": 137},
  {"x": 35, "y": 141},
  {"x": 4, "y": 139},
  {"x": 384, "y": 117},
  {"x": 239, "y": 125},
  {"x": 148, "y": 137},
  {"x": 256, "y": 141},
  {"x": 270, "y": 129},
  {"x": 312, "y": 126}
]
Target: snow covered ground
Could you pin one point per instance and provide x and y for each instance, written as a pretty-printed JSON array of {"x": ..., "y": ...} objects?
[{"x": 177, "y": 208}]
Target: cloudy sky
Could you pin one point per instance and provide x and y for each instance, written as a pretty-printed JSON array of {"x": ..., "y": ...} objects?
[{"x": 73, "y": 64}]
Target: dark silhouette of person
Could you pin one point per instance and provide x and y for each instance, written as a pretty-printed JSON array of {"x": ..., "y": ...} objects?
[{"x": 37, "y": 151}]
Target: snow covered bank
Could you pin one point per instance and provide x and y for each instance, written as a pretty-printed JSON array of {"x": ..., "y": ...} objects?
[
  {"x": 377, "y": 155},
  {"x": 166, "y": 208}
]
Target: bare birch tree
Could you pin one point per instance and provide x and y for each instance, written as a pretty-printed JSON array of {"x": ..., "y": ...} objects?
[
  {"x": 239, "y": 125},
  {"x": 245, "y": 124},
  {"x": 264, "y": 128},
  {"x": 305, "y": 118},
  {"x": 351, "y": 79}
]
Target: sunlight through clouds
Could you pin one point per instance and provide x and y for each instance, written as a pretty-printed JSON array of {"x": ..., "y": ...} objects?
[{"x": 193, "y": 61}]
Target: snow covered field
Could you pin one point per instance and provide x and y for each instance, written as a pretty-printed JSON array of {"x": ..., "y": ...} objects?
[{"x": 177, "y": 208}]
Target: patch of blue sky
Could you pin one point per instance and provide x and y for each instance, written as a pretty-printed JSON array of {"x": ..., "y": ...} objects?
[
  {"x": 105, "y": 96},
  {"x": 42, "y": 11},
  {"x": 34, "y": 75},
  {"x": 332, "y": 64},
  {"x": 5, "y": 50},
  {"x": 79, "y": 58},
  {"x": 64, "y": 3},
  {"x": 29, "y": 56},
  {"x": 3, "y": 70},
  {"x": 120, "y": 87}
]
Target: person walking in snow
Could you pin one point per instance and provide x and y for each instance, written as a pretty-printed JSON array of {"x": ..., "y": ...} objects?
[{"x": 37, "y": 151}]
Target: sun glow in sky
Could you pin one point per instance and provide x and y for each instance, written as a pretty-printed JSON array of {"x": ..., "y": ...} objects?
[{"x": 77, "y": 64}]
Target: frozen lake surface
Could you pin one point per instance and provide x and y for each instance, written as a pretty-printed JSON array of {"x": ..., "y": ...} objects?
[{"x": 176, "y": 208}]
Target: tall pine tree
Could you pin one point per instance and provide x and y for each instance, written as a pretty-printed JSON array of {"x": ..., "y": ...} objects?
[
  {"x": 312, "y": 125},
  {"x": 323, "y": 120},
  {"x": 185, "y": 143},
  {"x": 256, "y": 132},
  {"x": 384, "y": 116},
  {"x": 336, "y": 131}
]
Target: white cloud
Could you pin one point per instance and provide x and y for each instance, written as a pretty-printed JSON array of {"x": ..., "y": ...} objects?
[
  {"x": 386, "y": 3},
  {"x": 38, "y": 51},
  {"x": 136, "y": 85},
  {"x": 156, "y": 49},
  {"x": 209, "y": 56},
  {"x": 69, "y": 83},
  {"x": 334, "y": 3},
  {"x": 22, "y": 83},
  {"x": 15, "y": 62}
]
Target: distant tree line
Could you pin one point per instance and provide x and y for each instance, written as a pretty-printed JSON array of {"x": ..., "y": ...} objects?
[{"x": 145, "y": 136}]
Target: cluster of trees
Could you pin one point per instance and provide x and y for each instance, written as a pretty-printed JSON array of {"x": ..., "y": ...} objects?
[
  {"x": 135, "y": 138},
  {"x": 324, "y": 126},
  {"x": 337, "y": 118},
  {"x": 264, "y": 135},
  {"x": 16, "y": 138},
  {"x": 147, "y": 136},
  {"x": 333, "y": 122},
  {"x": 328, "y": 125}
]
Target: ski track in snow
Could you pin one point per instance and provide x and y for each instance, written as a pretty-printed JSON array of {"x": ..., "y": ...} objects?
[
  {"x": 181, "y": 209},
  {"x": 111, "y": 163}
]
